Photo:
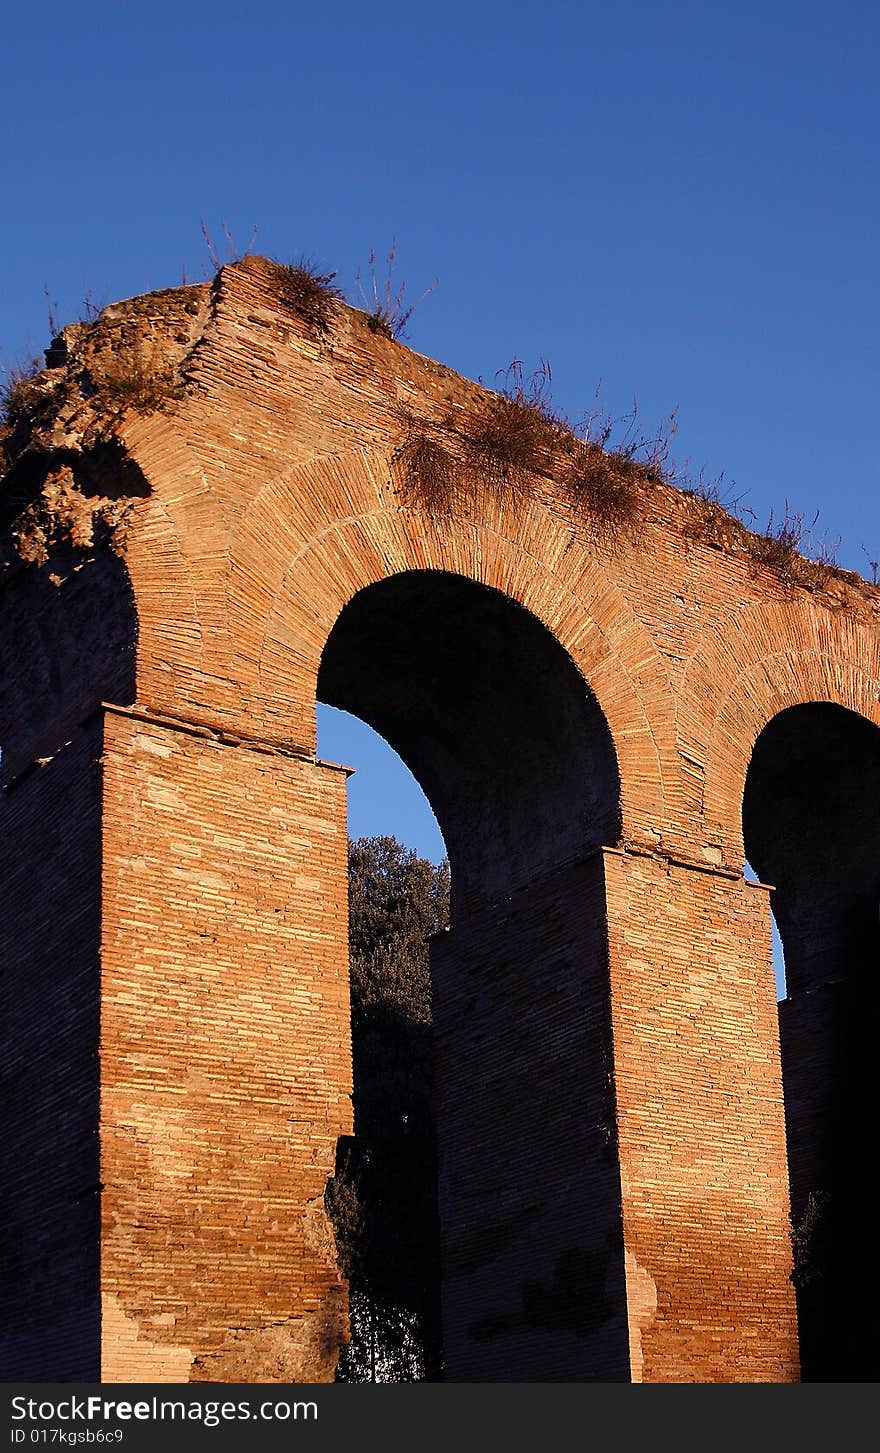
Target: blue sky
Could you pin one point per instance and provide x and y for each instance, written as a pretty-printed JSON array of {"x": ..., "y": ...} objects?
[
  {"x": 384, "y": 798},
  {"x": 680, "y": 199}
]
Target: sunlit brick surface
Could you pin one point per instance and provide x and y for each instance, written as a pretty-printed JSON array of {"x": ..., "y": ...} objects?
[
  {"x": 197, "y": 882},
  {"x": 224, "y": 1054}
]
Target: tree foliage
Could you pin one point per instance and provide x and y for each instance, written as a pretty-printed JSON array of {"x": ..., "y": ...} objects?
[{"x": 383, "y": 1197}]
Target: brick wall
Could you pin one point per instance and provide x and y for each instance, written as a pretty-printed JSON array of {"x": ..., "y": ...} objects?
[
  {"x": 263, "y": 500},
  {"x": 225, "y": 1058},
  {"x": 700, "y": 1124},
  {"x": 50, "y": 871},
  {"x": 530, "y": 1208}
]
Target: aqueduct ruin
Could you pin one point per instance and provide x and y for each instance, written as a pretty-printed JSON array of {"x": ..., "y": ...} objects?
[{"x": 605, "y": 728}]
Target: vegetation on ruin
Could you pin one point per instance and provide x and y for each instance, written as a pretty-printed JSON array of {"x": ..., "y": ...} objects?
[
  {"x": 789, "y": 546},
  {"x": 384, "y": 299},
  {"x": 14, "y": 390},
  {"x": 310, "y": 292},
  {"x": 518, "y": 434},
  {"x": 430, "y": 473},
  {"x": 137, "y": 378},
  {"x": 600, "y": 467},
  {"x": 225, "y": 253},
  {"x": 15, "y": 401}
]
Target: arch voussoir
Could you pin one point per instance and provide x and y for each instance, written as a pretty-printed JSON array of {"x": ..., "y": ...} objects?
[
  {"x": 362, "y": 534},
  {"x": 777, "y": 655}
]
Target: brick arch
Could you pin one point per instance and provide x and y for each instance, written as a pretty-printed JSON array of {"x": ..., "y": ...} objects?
[
  {"x": 177, "y": 556},
  {"x": 316, "y": 536},
  {"x": 775, "y": 656},
  {"x": 170, "y": 639},
  {"x": 177, "y": 884}
]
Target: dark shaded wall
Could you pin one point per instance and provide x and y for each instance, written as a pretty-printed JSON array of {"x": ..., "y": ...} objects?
[
  {"x": 812, "y": 829},
  {"x": 530, "y": 1199},
  {"x": 50, "y": 930},
  {"x": 67, "y": 642}
]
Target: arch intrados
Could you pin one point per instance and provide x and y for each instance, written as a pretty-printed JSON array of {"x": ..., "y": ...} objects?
[{"x": 491, "y": 715}]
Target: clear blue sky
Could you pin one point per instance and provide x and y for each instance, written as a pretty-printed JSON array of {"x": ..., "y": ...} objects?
[{"x": 681, "y": 199}]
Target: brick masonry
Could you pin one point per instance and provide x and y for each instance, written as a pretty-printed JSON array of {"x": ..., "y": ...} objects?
[
  {"x": 700, "y": 1125},
  {"x": 530, "y": 1193},
  {"x": 224, "y": 1058},
  {"x": 50, "y": 930},
  {"x": 188, "y": 868}
]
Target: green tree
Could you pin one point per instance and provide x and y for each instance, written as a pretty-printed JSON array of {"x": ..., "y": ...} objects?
[{"x": 383, "y": 1197}]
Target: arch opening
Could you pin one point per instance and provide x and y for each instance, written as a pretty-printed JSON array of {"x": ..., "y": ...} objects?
[
  {"x": 513, "y": 752},
  {"x": 811, "y": 829},
  {"x": 383, "y": 1196},
  {"x": 491, "y": 716},
  {"x": 776, "y": 945},
  {"x": 384, "y": 798}
]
